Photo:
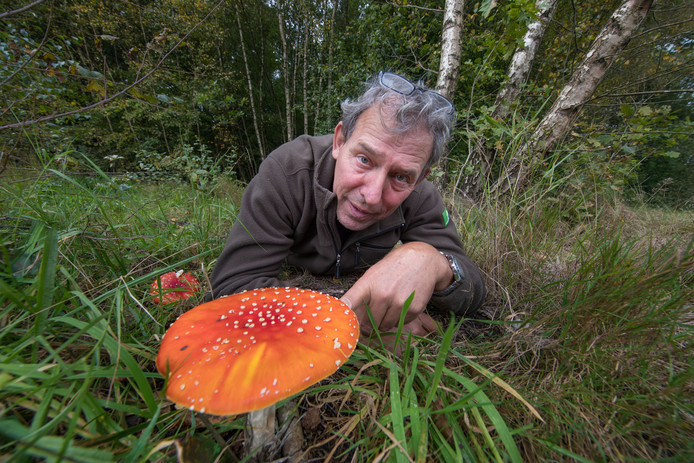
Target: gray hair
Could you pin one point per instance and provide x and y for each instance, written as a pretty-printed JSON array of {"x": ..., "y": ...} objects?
[{"x": 408, "y": 111}]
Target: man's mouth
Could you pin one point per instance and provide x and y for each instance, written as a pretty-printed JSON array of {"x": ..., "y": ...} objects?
[{"x": 358, "y": 213}]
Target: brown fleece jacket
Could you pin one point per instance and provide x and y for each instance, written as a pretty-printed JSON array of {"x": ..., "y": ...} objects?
[{"x": 288, "y": 215}]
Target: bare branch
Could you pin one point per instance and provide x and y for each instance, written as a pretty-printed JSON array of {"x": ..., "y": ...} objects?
[
  {"x": 436, "y": 10},
  {"x": 663, "y": 26},
  {"x": 653, "y": 92},
  {"x": 23, "y": 8}
]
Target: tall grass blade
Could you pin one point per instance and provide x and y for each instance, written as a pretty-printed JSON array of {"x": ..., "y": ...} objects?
[
  {"x": 482, "y": 401},
  {"x": 119, "y": 354},
  {"x": 499, "y": 382},
  {"x": 50, "y": 448},
  {"x": 46, "y": 278},
  {"x": 440, "y": 362},
  {"x": 396, "y": 413},
  {"x": 141, "y": 446}
]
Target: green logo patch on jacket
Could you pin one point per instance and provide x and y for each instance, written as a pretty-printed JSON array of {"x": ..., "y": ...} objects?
[{"x": 446, "y": 218}]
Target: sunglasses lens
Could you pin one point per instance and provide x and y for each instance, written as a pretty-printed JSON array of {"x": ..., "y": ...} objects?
[
  {"x": 397, "y": 83},
  {"x": 443, "y": 101},
  {"x": 405, "y": 87}
]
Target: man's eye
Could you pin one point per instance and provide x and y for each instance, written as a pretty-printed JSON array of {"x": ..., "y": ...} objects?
[
  {"x": 402, "y": 179},
  {"x": 363, "y": 159}
]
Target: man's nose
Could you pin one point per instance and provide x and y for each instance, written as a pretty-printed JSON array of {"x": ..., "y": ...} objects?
[{"x": 373, "y": 187}]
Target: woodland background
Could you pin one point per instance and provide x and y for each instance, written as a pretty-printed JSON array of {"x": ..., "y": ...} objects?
[{"x": 193, "y": 89}]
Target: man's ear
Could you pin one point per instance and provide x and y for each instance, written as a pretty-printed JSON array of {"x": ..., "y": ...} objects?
[{"x": 338, "y": 139}]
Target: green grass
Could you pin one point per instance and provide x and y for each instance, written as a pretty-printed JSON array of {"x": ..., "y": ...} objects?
[{"x": 585, "y": 353}]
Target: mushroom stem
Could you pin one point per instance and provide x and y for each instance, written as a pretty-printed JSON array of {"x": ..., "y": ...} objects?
[{"x": 261, "y": 427}]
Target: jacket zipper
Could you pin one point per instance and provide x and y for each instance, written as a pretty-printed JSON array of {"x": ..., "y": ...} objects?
[
  {"x": 335, "y": 246},
  {"x": 338, "y": 252}
]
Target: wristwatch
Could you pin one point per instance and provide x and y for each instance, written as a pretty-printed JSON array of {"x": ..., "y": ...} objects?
[{"x": 458, "y": 275}]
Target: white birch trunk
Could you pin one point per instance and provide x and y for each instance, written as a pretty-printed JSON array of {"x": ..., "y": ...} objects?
[
  {"x": 558, "y": 121},
  {"x": 523, "y": 58},
  {"x": 449, "y": 66},
  {"x": 451, "y": 36}
]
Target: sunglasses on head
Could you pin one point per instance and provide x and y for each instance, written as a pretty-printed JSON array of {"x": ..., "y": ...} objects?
[{"x": 401, "y": 85}]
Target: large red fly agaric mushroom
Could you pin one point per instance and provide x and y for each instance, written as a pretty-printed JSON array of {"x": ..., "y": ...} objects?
[
  {"x": 175, "y": 286},
  {"x": 247, "y": 351}
]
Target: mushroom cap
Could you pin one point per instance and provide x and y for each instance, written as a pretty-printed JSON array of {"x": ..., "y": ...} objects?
[
  {"x": 247, "y": 351},
  {"x": 175, "y": 286}
]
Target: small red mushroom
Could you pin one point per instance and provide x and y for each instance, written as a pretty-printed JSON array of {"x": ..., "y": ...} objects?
[
  {"x": 247, "y": 351},
  {"x": 175, "y": 286}
]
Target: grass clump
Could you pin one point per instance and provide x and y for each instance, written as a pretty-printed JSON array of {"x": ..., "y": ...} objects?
[
  {"x": 583, "y": 351},
  {"x": 591, "y": 318}
]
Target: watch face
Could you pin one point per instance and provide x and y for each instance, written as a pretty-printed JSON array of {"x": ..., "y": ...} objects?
[
  {"x": 457, "y": 270},
  {"x": 458, "y": 273}
]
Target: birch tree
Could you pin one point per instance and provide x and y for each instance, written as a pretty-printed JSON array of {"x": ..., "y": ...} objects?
[
  {"x": 451, "y": 39},
  {"x": 482, "y": 155},
  {"x": 557, "y": 123},
  {"x": 523, "y": 58},
  {"x": 449, "y": 66}
]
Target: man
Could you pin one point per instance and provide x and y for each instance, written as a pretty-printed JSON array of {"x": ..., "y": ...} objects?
[{"x": 340, "y": 203}]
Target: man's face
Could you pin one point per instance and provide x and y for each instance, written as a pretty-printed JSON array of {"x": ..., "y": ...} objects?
[{"x": 376, "y": 170}]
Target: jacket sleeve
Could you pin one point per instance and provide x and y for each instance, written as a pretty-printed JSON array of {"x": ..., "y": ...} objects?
[
  {"x": 261, "y": 237},
  {"x": 428, "y": 221}
]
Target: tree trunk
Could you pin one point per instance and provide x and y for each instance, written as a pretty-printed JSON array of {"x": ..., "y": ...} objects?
[
  {"x": 285, "y": 72},
  {"x": 449, "y": 66},
  {"x": 250, "y": 87},
  {"x": 523, "y": 58},
  {"x": 482, "y": 155},
  {"x": 329, "y": 70},
  {"x": 305, "y": 70},
  {"x": 326, "y": 41},
  {"x": 558, "y": 121},
  {"x": 451, "y": 38}
]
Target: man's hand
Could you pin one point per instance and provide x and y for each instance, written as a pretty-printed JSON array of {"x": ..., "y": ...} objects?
[{"x": 385, "y": 287}]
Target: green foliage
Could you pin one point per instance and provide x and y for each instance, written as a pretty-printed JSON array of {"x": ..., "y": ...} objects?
[
  {"x": 192, "y": 163},
  {"x": 79, "y": 331}
]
